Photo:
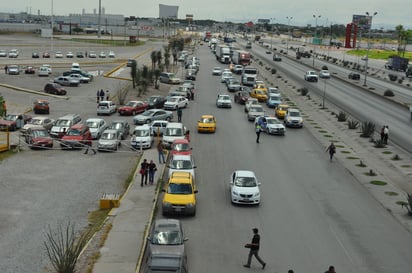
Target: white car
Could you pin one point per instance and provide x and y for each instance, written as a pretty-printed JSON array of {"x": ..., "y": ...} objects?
[
  {"x": 182, "y": 163},
  {"x": 158, "y": 127},
  {"x": 49, "y": 68},
  {"x": 175, "y": 102},
  {"x": 293, "y": 118},
  {"x": 255, "y": 111},
  {"x": 311, "y": 76},
  {"x": 271, "y": 125},
  {"x": 102, "y": 54},
  {"x": 13, "y": 70},
  {"x": 96, "y": 126},
  {"x": 106, "y": 107},
  {"x": 14, "y": 53},
  {"x": 58, "y": 54},
  {"x": 226, "y": 75},
  {"x": 273, "y": 90},
  {"x": 111, "y": 54},
  {"x": 80, "y": 78},
  {"x": 244, "y": 188},
  {"x": 3, "y": 53},
  {"x": 216, "y": 71},
  {"x": 324, "y": 74},
  {"x": 109, "y": 141},
  {"x": 43, "y": 71},
  {"x": 223, "y": 101},
  {"x": 92, "y": 54},
  {"x": 69, "y": 54},
  {"x": 142, "y": 137},
  {"x": 250, "y": 102}
]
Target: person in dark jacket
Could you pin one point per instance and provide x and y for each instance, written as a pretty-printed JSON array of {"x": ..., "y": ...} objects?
[
  {"x": 254, "y": 249},
  {"x": 144, "y": 170},
  {"x": 152, "y": 170}
]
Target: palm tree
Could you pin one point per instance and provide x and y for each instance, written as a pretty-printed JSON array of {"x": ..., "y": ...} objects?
[
  {"x": 399, "y": 29},
  {"x": 159, "y": 57},
  {"x": 153, "y": 56},
  {"x": 167, "y": 57}
]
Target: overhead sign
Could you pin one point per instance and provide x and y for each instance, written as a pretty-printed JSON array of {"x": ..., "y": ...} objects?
[
  {"x": 189, "y": 17},
  {"x": 166, "y": 11},
  {"x": 263, "y": 21},
  {"x": 362, "y": 21}
]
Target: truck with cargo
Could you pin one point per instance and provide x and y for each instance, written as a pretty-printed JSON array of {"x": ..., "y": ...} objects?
[
  {"x": 241, "y": 57},
  {"x": 249, "y": 75},
  {"x": 397, "y": 63},
  {"x": 223, "y": 53},
  {"x": 408, "y": 72}
]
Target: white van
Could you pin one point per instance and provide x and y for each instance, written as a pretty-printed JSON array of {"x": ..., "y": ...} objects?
[
  {"x": 142, "y": 136},
  {"x": 173, "y": 130},
  {"x": 75, "y": 67}
]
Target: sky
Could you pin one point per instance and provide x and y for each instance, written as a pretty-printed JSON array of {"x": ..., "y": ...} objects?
[{"x": 389, "y": 13}]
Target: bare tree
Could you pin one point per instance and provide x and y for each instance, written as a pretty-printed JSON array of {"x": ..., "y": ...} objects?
[{"x": 64, "y": 247}]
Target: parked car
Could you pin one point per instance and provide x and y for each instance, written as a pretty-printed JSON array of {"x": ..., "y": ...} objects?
[
  {"x": 35, "y": 55},
  {"x": 14, "y": 121},
  {"x": 13, "y": 53},
  {"x": 217, "y": 71},
  {"x": 166, "y": 235},
  {"x": 48, "y": 66},
  {"x": 167, "y": 77},
  {"x": 324, "y": 74},
  {"x": 58, "y": 54},
  {"x": 69, "y": 54},
  {"x": 3, "y": 53},
  {"x": 131, "y": 62},
  {"x": 122, "y": 126},
  {"x": 109, "y": 141},
  {"x": 96, "y": 126},
  {"x": 271, "y": 125},
  {"x": 106, "y": 107},
  {"x": 244, "y": 188},
  {"x": 182, "y": 163},
  {"x": 80, "y": 78},
  {"x": 41, "y": 107},
  {"x": 173, "y": 131},
  {"x": 55, "y": 88},
  {"x": 43, "y": 71},
  {"x": 158, "y": 127},
  {"x": 102, "y": 54},
  {"x": 46, "y": 54},
  {"x": 206, "y": 124},
  {"x": 13, "y": 70},
  {"x": 38, "y": 137},
  {"x": 223, "y": 101},
  {"x": 81, "y": 72},
  {"x": 78, "y": 136},
  {"x": 293, "y": 118},
  {"x": 45, "y": 122},
  {"x": 29, "y": 70},
  {"x": 191, "y": 74},
  {"x": 155, "y": 101},
  {"x": 175, "y": 102},
  {"x": 152, "y": 114},
  {"x": 181, "y": 147},
  {"x": 111, "y": 54},
  {"x": 66, "y": 81},
  {"x": 92, "y": 54},
  {"x": 179, "y": 195},
  {"x": 132, "y": 108},
  {"x": 354, "y": 76},
  {"x": 63, "y": 124},
  {"x": 241, "y": 97},
  {"x": 142, "y": 137},
  {"x": 80, "y": 54}
]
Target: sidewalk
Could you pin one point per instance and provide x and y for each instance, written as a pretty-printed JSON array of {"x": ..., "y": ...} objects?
[{"x": 121, "y": 250}]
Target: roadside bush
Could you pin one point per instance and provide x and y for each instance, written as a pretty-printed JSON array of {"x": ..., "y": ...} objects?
[
  {"x": 388, "y": 93},
  {"x": 379, "y": 143},
  {"x": 353, "y": 124},
  {"x": 400, "y": 81},
  {"x": 324, "y": 67},
  {"x": 274, "y": 71},
  {"x": 303, "y": 91},
  {"x": 341, "y": 116},
  {"x": 393, "y": 77},
  {"x": 408, "y": 204},
  {"x": 367, "y": 129}
]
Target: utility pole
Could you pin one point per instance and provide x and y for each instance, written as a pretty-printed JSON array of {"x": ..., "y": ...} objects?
[{"x": 367, "y": 50}]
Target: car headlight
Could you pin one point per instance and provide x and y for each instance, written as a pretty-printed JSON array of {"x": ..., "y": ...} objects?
[
  {"x": 256, "y": 194},
  {"x": 190, "y": 205},
  {"x": 166, "y": 204},
  {"x": 235, "y": 193}
]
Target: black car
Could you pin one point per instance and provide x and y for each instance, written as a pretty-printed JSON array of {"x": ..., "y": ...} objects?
[
  {"x": 155, "y": 102},
  {"x": 131, "y": 63},
  {"x": 277, "y": 58},
  {"x": 79, "y": 54},
  {"x": 35, "y": 55},
  {"x": 54, "y": 88},
  {"x": 354, "y": 76}
]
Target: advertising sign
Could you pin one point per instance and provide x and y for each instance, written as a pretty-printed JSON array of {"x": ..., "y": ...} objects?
[{"x": 362, "y": 21}]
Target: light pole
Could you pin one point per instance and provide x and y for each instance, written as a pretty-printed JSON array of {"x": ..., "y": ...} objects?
[
  {"x": 367, "y": 50},
  {"x": 287, "y": 39},
  {"x": 271, "y": 36},
  {"x": 324, "y": 93},
  {"x": 52, "y": 27},
  {"x": 98, "y": 20},
  {"x": 314, "y": 35}
]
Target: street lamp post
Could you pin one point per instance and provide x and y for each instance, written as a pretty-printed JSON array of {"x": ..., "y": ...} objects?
[
  {"x": 52, "y": 27},
  {"x": 287, "y": 39},
  {"x": 98, "y": 20},
  {"x": 367, "y": 50},
  {"x": 324, "y": 93},
  {"x": 314, "y": 35}
]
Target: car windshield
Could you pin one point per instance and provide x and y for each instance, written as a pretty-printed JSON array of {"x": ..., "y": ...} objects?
[
  {"x": 169, "y": 237},
  {"x": 272, "y": 97},
  {"x": 108, "y": 136},
  {"x": 207, "y": 120},
  {"x": 131, "y": 103},
  {"x": 283, "y": 108},
  {"x": 272, "y": 121},
  {"x": 36, "y": 121},
  {"x": 256, "y": 109},
  {"x": 179, "y": 189},
  {"x": 40, "y": 133},
  {"x": 294, "y": 114},
  {"x": 63, "y": 122},
  {"x": 181, "y": 147},
  {"x": 73, "y": 132},
  {"x": 93, "y": 124},
  {"x": 245, "y": 182},
  {"x": 116, "y": 126},
  {"x": 141, "y": 133},
  {"x": 181, "y": 164},
  {"x": 174, "y": 132},
  {"x": 151, "y": 99},
  {"x": 148, "y": 113},
  {"x": 11, "y": 117}
]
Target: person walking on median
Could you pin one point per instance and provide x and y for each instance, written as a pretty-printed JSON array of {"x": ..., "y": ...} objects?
[
  {"x": 385, "y": 134},
  {"x": 254, "y": 249},
  {"x": 332, "y": 150},
  {"x": 258, "y": 130},
  {"x": 382, "y": 133},
  {"x": 107, "y": 95},
  {"x": 97, "y": 95},
  {"x": 331, "y": 269},
  {"x": 152, "y": 170},
  {"x": 6, "y": 69},
  {"x": 161, "y": 153},
  {"x": 144, "y": 169},
  {"x": 179, "y": 114},
  {"x": 101, "y": 95}
]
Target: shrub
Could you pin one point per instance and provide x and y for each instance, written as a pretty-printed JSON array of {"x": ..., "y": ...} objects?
[
  {"x": 408, "y": 204},
  {"x": 353, "y": 124},
  {"x": 400, "y": 81},
  {"x": 342, "y": 116},
  {"x": 388, "y": 93},
  {"x": 324, "y": 67},
  {"x": 379, "y": 143},
  {"x": 368, "y": 128},
  {"x": 274, "y": 70},
  {"x": 393, "y": 77},
  {"x": 303, "y": 91}
]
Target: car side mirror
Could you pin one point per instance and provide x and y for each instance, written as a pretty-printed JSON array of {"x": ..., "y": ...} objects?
[
  {"x": 163, "y": 190},
  {"x": 196, "y": 191}
]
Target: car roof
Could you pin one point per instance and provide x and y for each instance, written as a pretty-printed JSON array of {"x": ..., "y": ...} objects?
[
  {"x": 94, "y": 119},
  {"x": 245, "y": 173},
  {"x": 182, "y": 157},
  {"x": 111, "y": 131},
  {"x": 40, "y": 117},
  {"x": 207, "y": 116},
  {"x": 181, "y": 140},
  {"x": 144, "y": 126},
  {"x": 167, "y": 223}
]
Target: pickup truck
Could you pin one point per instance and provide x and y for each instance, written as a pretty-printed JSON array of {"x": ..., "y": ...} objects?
[{"x": 311, "y": 76}]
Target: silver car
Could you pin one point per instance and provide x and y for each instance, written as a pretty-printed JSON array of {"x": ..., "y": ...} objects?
[
  {"x": 96, "y": 126},
  {"x": 66, "y": 81},
  {"x": 109, "y": 141},
  {"x": 153, "y": 114}
]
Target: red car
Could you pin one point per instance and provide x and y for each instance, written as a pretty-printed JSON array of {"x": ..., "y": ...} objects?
[
  {"x": 29, "y": 70},
  {"x": 78, "y": 136},
  {"x": 12, "y": 122},
  {"x": 181, "y": 147},
  {"x": 38, "y": 137},
  {"x": 54, "y": 88},
  {"x": 132, "y": 108}
]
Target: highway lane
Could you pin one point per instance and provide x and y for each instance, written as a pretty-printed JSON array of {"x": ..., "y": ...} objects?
[
  {"x": 355, "y": 101},
  {"x": 313, "y": 213}
]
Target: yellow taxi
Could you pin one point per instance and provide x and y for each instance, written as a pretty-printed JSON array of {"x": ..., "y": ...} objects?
[
  {"x": 259, "y": 94},
  {"x": 206, "y": 124},
  {"x": 261, "y": 85},
  {"x": 179, "y": 194},
  {"x": 281, "y": 110}
]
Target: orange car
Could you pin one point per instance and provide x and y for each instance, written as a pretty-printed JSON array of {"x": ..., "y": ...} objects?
[{"x": 41, "y": 107}]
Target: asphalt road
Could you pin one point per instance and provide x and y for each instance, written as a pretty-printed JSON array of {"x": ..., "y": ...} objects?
[
  {"x": 42, "y": 188},
  {"x": 313, "y": 212}
]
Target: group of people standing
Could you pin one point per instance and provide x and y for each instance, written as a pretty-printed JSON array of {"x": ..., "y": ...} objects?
[
  {"x": 101, "y": 94},
  {"x": 147, "y": 169}
]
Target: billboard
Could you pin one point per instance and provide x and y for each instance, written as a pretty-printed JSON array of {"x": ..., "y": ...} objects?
[
  {"x": 263, "y": 21},
  {"x": 362, "y": 21},
  {"x": 166, "y": 11}
]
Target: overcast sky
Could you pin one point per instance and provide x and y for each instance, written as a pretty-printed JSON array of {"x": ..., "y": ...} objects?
[{"x": 390, "y": 12}]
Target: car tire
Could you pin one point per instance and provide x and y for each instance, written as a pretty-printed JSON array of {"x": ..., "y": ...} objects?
[{"x": 168, "y": 118}]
